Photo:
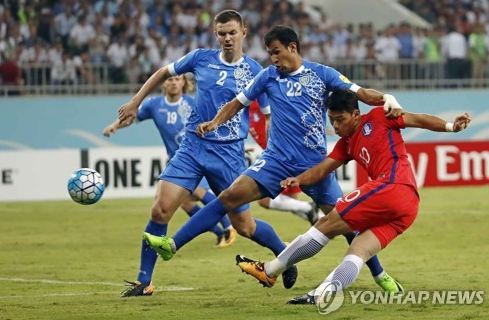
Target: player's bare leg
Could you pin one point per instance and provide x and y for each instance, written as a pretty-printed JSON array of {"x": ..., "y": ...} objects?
[{"x": 168, "y": 198}]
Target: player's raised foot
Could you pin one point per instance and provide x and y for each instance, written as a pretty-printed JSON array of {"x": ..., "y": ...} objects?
[
  {"x": 312, "y": 215},
  {"x": 389, "y": 284},
  {"x": 255, "y": 269},
  {"x": 289, "y": 276},
  {"x": 228, "y": 238},
  {"x": 164, "y": 246},
  {"x": 136, "y": 288},
  {"x": 306, "y": 298}
]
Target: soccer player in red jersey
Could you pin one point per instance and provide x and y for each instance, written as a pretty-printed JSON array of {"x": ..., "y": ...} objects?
[
  {"x": 380, "y": 210},
  {"x": 287, "y": 200}
]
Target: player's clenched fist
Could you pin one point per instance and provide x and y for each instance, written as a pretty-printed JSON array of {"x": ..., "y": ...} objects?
[
  {"x": 461, "y": 122},
  {"x": 290, "y": 182}
]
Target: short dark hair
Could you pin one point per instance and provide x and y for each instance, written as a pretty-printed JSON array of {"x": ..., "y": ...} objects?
[
  {"x": 285, "y": 35},
  {"x": 343, "y": 101},
  {"x": 229, "y": 15}
]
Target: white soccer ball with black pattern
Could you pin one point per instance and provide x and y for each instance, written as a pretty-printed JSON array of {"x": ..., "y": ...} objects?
[{"x": 86, "y": 186}]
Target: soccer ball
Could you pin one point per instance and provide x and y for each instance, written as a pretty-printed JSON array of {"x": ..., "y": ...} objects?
[{"x": 86, "y": 186}]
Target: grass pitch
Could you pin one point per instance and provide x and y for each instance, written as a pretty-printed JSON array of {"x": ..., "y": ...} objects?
[{"x": 60, "y": 260}]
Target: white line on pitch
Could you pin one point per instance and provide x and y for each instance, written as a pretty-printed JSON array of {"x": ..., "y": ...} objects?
[
  {"x": 57, "y": 295},
  {"x": 99, "y": 283}
]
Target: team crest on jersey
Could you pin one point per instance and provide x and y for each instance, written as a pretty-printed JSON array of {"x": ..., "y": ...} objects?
[
  {"x": 367, "y": 129},
  {"x": 305, "y": 79},
  {"x": 239, "y": 73}
]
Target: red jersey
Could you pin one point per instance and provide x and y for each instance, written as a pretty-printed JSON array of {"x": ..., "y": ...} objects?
[
  {"x": 258, "y": 124},
  {"x": 377, "y": 145}
]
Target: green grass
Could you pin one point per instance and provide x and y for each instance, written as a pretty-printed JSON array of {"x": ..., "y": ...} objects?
[{"x": 447, "y": 248}]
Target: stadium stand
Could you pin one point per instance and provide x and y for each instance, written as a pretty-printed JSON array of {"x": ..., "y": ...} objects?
[{"x": 109, "y": 46}]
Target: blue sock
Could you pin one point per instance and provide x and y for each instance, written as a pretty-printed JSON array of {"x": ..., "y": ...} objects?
[
  {"x": 215, "y": 229},
  {"x": 194, "y": 210},
  {"x": 267, "y": 237},
  {"x": 148, "y": 255},
  {"x": 202, "y": 221},
  {"x": 373, "y": 264},
  {"x": 225, "y": 223},
  {"x": 208, "y": 197}
]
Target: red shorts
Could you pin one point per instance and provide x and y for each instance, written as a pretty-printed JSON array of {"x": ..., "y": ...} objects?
[
  {"x": 291, "y": 191},
  {"x": 385, "y": 209}
]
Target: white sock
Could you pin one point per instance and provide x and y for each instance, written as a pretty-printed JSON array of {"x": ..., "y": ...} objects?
[
  {"x": 346, "y": 273},
  {"x": 286, "y": 203},
  {"x": 303, "y": 247}
]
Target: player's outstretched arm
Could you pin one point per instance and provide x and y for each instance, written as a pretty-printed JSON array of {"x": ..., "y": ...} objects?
[
  {"x": 227, "y": 112},
  {"x": 313, "y": 175},
  {"x": 114, "y": 126},
  {"x": 434, "y": 123},
  {"x": 128, "y": 111},
  {"x": 376, "y": 98}
]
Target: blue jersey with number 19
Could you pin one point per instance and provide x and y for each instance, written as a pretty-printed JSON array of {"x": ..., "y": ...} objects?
[
  {"x": 169, "y": 117},
  {"x": 218, "y": 82},
  {"x": 297, "y": 102}
]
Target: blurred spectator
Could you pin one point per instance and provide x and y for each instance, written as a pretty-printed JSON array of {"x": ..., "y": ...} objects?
[
  {"x": 64, "y": 23},
  {"x": 454, "y": 49},
  {"x": 387, "y": 46},
  {"x": 478, "y": 43},
  {"x": 118, "y": 57},
  {"x": 64, "y": 71},
  {"x": 81, "y": 34},
  {"x": 10, "y": 73},
  {"x": 84, "y": 69}
]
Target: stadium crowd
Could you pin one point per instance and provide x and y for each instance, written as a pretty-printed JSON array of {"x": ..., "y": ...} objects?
[{"x": 68, "y": 38}]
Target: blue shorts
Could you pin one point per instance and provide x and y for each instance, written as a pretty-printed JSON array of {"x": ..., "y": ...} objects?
[
  {"x": 219, "y": 162},
  {"x": 268, "y": 171}
]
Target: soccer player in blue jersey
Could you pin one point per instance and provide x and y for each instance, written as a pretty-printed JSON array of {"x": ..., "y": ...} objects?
[
  {"x": 169, "y": 113},
  {"x": 219, "y": 156},
  {"x": 297, "y": 90}
]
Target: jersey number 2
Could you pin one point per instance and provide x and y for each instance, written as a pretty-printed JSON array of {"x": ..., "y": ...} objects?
[{"x": 222, "y": 77}]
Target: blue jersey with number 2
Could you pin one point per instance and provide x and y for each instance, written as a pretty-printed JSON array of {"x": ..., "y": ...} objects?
[{"x": 218, "y": 82}]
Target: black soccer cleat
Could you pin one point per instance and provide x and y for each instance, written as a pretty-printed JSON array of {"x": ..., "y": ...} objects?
[
  {"x": 136, "y": 288},
  {"x": 289, "y": 277},
  {"x": 306, "y": 298},
  {"x": 312, "y": 215}
]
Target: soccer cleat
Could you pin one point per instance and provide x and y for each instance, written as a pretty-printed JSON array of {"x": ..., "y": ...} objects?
[
  {"x": 255, "y": 269},
  {"x": 164, "y": 246},
  {"x": 306, "y": 298},
  {"x": 389, "y": 284},
  {"x": 228, "y": 238},
  {"x": 136, "y": 288},
  {"x": 289, "y": 277},
  {"x": 312, "y": 215}
]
